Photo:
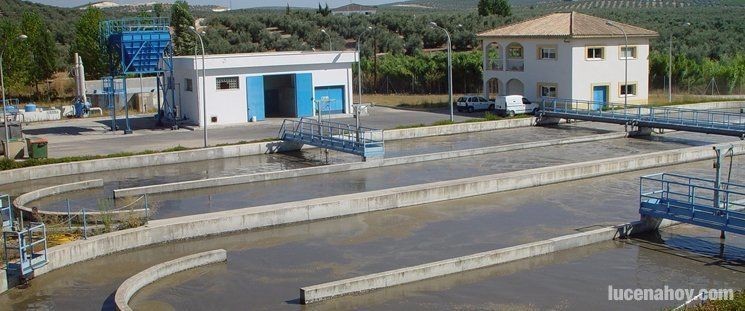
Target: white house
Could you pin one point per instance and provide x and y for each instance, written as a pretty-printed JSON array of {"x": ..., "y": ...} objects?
[
  {"x": 255, "y": 86},
  {"x": 353, "y": 8},
  {"x": 567, "y": 55}
]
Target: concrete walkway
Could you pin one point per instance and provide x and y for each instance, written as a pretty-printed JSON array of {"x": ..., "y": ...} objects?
[{"x": 76, "y": 137}]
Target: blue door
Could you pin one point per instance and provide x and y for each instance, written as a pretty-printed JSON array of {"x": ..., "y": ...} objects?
[
  {"x": 255, "y": 97},
  {"x": 304, "y": 94},
  {"x": 599, "y": 96},
  {"x": 335, "y": 95}
]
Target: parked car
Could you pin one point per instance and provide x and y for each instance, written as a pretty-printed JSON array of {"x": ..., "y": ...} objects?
[
  {"x": 514, "y": 104},
  {"x": 473, "y": 103}
]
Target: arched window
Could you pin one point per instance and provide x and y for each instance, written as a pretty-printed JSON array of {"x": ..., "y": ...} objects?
[
  {"x": 515, "y": 87},
  {"x": 515, "y": 55},
  {"x": 493, "y": 57},
  {"x": 494, "y": 88}
]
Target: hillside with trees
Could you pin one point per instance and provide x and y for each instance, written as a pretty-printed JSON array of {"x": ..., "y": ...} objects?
[{"x": 402, "y": 53}]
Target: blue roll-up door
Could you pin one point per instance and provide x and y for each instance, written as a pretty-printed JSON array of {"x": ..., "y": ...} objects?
[
  {"x": 304, "y": 94},
  {"x": 255, "y": 97},
  {"x": 336, "y": 97}
]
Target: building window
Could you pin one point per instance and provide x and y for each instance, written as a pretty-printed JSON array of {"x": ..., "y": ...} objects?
[
  {"x": 547, "y": 90},
  {"x": 189, "y": 85},
  {"x": 629, "y": 90},
  {"x": 595, "y": 53},
  {"x": 547, "y": 53},
  {"x": 629, "y": 53},
  {"x": 514, "y": 51},
  {"x": 227, "y": 83}
]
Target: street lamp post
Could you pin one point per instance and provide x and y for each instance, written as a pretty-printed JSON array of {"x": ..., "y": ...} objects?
[
  {"x": 625, "y": 65},
  {"x": 331, "y": 48},
  {"x": 2, "y": 87},
  {"x": 204, "y": 87},
  {"x": 450, "y": 69},
  {"x": 359, "y": 62}
]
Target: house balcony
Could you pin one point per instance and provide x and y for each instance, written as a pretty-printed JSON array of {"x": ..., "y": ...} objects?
[
  {"x": 515, "y": 65},
  {"x": 495, "y": 64}
]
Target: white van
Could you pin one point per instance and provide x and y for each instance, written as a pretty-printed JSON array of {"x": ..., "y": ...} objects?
[{"x": 511, "y": 105}]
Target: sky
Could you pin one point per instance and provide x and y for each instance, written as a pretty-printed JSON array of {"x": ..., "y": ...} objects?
[{"x": 237, "y": 4}]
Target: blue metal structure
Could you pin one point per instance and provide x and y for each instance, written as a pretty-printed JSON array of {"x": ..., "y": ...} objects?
[
  {"x": 342, "y": 137},
  {"x": 140, "y": 46},
  {"x": 694, "y": 201},
  {"x": 11, "y": 103},
  {"x": 30, "y": 247},
  {"x": 700, "y": 121},
  {"x": 6, "y": 212}
]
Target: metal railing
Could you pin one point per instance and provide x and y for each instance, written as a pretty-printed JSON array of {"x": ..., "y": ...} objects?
[
  {"x": 716, "y": 119},
  {"x": 6, "y": 212},
  {"x": 134, "y": 24},
  {"x": 495, "y": 64},
  {"x": 30, "y": 247},
  {"x": 332, "y": 135},
  {"x": 515, "y": 65},
  {"x": 693, "y": 200}
]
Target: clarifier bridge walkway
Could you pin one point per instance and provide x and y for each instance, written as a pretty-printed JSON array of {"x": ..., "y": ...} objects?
[
  {"x": 672, "y": 118},
  {"x": 362, "y": 141}
]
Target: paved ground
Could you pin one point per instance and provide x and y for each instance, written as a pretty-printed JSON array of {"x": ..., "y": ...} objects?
[{"x": 92, "y": 136}]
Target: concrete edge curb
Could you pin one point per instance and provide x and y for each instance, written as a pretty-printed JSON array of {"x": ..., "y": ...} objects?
[
  {"x": 21, "y": 201},
  {"x": 201, "y": 225},
  {"x": 132, "y": 285},
  {"x": 137, "y": 161},
  {"x": 375, "y": 281},
  {"x": 345, "y": 167}
]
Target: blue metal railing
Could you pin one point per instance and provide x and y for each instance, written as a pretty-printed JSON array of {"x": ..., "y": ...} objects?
[
  {"x": 110, "y": 27},
  {"x": 693, "y": 200},
  {"x": 6, "y": 212},
  {"x": 30, "y": 246},
  {"x": 342, "y": 137},
  {"x": 705, "y": 121}
]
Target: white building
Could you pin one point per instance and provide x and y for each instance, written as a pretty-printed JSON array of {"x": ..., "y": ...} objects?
[
  {"x": 354, "y": 9},
  {"x": 566, "y": 55},
  {"x": 243, "y": 87}
]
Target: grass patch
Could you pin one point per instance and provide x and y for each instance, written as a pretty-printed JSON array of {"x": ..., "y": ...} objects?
[
  {"x": 9, "y": 164},
  {"x": 738, "y": 303}
]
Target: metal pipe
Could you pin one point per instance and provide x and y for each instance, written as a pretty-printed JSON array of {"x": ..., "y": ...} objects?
[
  {"x": 450, "y": 70},
  {"x": 359, "y": 62},
  {"x": 331, "y": 48},
  {"x": 204, "y": 87},
  {"x": 625, "y": 65}
]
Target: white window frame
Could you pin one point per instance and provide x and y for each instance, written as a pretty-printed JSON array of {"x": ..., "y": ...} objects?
[
  {"x": 548, "y": 47},
  {"x": 548, "y": 86},
  {"x": 622, "y": 54},
  {"x": 595, "y": 58},
  {"x": 621, "y": 89}
]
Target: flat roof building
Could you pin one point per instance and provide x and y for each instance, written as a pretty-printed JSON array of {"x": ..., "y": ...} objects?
[{"x": 249, "y": 87}]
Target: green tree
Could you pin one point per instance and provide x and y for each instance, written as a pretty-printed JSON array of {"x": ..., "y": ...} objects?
[
  {"x": 88, "y": 43},
  {"x": 324, "y": 11},
  {"x": 16, "y": 60},
  {"x": 494, "y": 7},
  {"x": 42, "y": 48},
  {"x": 181, "y": 19},
  {"x": 158, "y": 9}
]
